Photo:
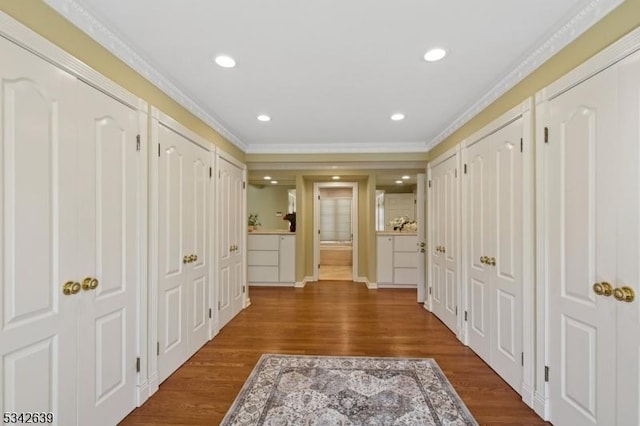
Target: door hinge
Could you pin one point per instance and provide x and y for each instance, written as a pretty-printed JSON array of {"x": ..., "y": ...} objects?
[
  {"x": 522, "y": 358},
  {"x": 137, "y": 142},
  {"x": 465, "y": 169},
  {"x": 244, "y": 185},
  {"x": 546, "y": 135},
  {"x": 244, "y": 289},
  {"x": 546, "y": 373},
  {"x": 465, "y": 315},
  {"x": 209, "y": 312},
  {"x": 456, "y": 311},
  {"x": 429, "y": 184},
  {"x": 210, "y": 172},
  {"x": 318, "y": 197},
  {"x": 158, "y": 349},
  {"x": 318, "y": 232},
  {"x": 218, "y": 305},
  {"x": 429, "y": 290},
  {"x": 318, "y": 266},
  {"x": 138, "y": 365},
  {"x": 158, "y": 150},
  {"x": 521, "y": 142},
  {"x": 456, "y": 172}
]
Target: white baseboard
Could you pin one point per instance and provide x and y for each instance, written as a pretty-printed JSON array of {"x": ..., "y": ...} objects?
[
  {"x": 527, "y": 395},
  {"x": 541, "y": 406},
  {"x": 396, "y": 285},
  {"x": 372, "y": 286},
  {"x": 142, "y": 393},
  {"x": 153, "y": 384},
  {"x": 247, "y": 303},
  {"x": 300, "y": 284},
  {"x": 272, "y": 284}
]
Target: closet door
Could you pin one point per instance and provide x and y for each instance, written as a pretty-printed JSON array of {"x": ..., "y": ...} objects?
[
  {"x": 580, "y": 207},
  {"x": 107, "y": 256},
  {"x": 628, "y": 233},
  {"x": 39, "y": 236},
  {"x": 175, "y": 228},
  {"x": 479, "y": 182},
  {"x": 444, "y": 247},
  {"x": 231, "y": 228}
]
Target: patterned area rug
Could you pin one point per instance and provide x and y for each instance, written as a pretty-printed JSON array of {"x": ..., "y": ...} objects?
[{"x": 318, "y": 390}]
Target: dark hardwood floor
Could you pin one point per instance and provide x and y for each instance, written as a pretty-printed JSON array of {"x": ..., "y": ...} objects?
[{"x": 326, "y": 318}]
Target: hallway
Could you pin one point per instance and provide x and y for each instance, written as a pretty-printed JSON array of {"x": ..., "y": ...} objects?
[{"x": 328, "y": 319}]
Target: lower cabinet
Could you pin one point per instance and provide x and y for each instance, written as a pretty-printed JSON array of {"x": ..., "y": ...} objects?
[
  {"x": 271, "y": 259},
  {"x": 397, "y": 260}
]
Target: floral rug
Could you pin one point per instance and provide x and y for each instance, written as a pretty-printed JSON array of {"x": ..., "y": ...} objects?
[{"x": 321, "y": 390}]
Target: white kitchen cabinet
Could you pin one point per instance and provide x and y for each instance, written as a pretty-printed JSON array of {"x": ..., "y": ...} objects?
[
  {"x": 397, "y": 260},
  {"x": 271, "y": 259}
]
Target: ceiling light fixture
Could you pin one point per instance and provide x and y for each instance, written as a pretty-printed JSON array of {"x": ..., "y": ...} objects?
[
  {"x": 435, "y": 54},
  {"x": 405, "y": 177},
  {"x": 267, "y": 178},
  {"x": 336, "y": 178},
  {"x": 264, "y": 118},
  {"x": 397, "y": 116},
  {"x": 274, "y": 182},
  {"x": 399, "y": 182},
  {"x": 225, "y": 61}
]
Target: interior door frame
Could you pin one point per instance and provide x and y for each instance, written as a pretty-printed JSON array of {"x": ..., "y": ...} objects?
[
  {"x": 421, "y": 220},
  {"x": 354, "y": 224}
]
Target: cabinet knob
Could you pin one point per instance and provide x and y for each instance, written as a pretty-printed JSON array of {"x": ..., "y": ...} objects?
[
  {"x": 624, "y": 294},
  {"x": 603, "y": 289},
  {"x": 89, "y": 283},
  {"x": 71, "y": 287}
]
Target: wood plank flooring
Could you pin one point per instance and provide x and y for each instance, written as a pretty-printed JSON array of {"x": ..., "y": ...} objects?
[{"x": 332, "y": 318}]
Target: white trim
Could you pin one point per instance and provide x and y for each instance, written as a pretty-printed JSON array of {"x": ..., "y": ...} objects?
[
  {"x": 397, "y": 286},
  {"x": 577, "y": 25},
  {"x": 84, "y": 20},
  {"x": 214, "y": 328},
  {"x": 372, "y": 286},
  {"x": 259, "y": 284},
  {"x": 355, "y": 220},
  {"x": 337, "y": 148},
  {"x": 619, "y": 50},
  {"x": 541, "y": 406},
  {"x": 142, "y": 393},
  {"x": 153, "y": 224},
  {"x": 303, "y": 283},
  {"x": 177, "y": 127},
  {"x": 154, "y": 385},
  {"x": 346, "y": 165},
  {"x": 33, "y": 42}
]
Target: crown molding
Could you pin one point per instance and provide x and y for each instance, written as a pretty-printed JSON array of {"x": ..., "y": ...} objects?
[
  {"x": 338, "y": 148},
  {"x": 578, "y": 24},
  {"x": 83, "y": 19},
  {"x": 346, "y": 165}
]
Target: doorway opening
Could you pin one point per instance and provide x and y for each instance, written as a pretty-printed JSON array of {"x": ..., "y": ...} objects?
[{"x": 335, "y": 236}]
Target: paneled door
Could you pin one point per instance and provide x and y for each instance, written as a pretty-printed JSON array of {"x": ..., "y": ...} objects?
[
  {"x": 444, "y": 241},
  {"x": 494, "y": 216},
  {"x": 592, "y": 223},
  {"x": 183, "y": 224},
  {"x": 231, "y": 229},
  {"x": 70, "y": 244},
  {"x": 107, "y": 260},
  {"x": 39, "y": 237}
]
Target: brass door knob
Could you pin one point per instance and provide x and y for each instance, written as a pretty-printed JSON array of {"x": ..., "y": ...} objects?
[
  {"x": 71, "y": 287},
  {"x": 422, "y": 244},
  {"x": 195, "y": 257},
  {"x": 603, "y": 289},
  {"x": 444, "y": 249},
  {"x": 484, "y": 259},
  {"x": 624, "y": 294},
  {"x": 185, "y": 259},
  {"x": 492, "y": 261},
  {"x": 89, "y": 283}
]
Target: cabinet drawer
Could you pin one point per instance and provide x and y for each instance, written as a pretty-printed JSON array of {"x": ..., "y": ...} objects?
[
  {"x": 262, "y": 242},
  {"x": 405, "y": 243},
  {"x": 405, "y": 260},
  {"x": 262, "y": 258},
  {"x": 263, "y": 274},
  {"x": 405, "y": 275}
]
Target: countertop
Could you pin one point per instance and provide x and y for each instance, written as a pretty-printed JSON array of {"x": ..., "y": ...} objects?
[{"x": 272, "y": 232}]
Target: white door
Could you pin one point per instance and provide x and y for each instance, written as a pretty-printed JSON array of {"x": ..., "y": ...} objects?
[
  {"x": 231, "y": 228},
  {"x": 421, "y": 220},
  {"x": 183, "y": 221},
  {"x": 580, "y": 210},
  {"x": 444, "y": 249},
  {"x": 39, "y": 237},
  {"x": 479, "y": 182},
  {"x": 108, "y": 240},
  {"x": 493, "y": 191},
  {"x": 506, "y": 225},
  {"x": 628, "y": 232}
]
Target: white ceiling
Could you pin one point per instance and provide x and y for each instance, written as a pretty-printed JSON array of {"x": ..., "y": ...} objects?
[{"x": 331, "y": 72}]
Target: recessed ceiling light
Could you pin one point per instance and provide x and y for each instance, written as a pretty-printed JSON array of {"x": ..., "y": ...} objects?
[
  {"x": 336, "y": 178},
  {"x": 267, "y": 178},
  {"x": 274, "y": 182},
  {"x": 225, "y": 61},
  {"x": 264, "y": 117},
  {"x": 435, "y": 54},
  {"x": 399, "y": 181},
  {"x": 397, "y": 116},
  {"x": 405, "y": 177}
]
